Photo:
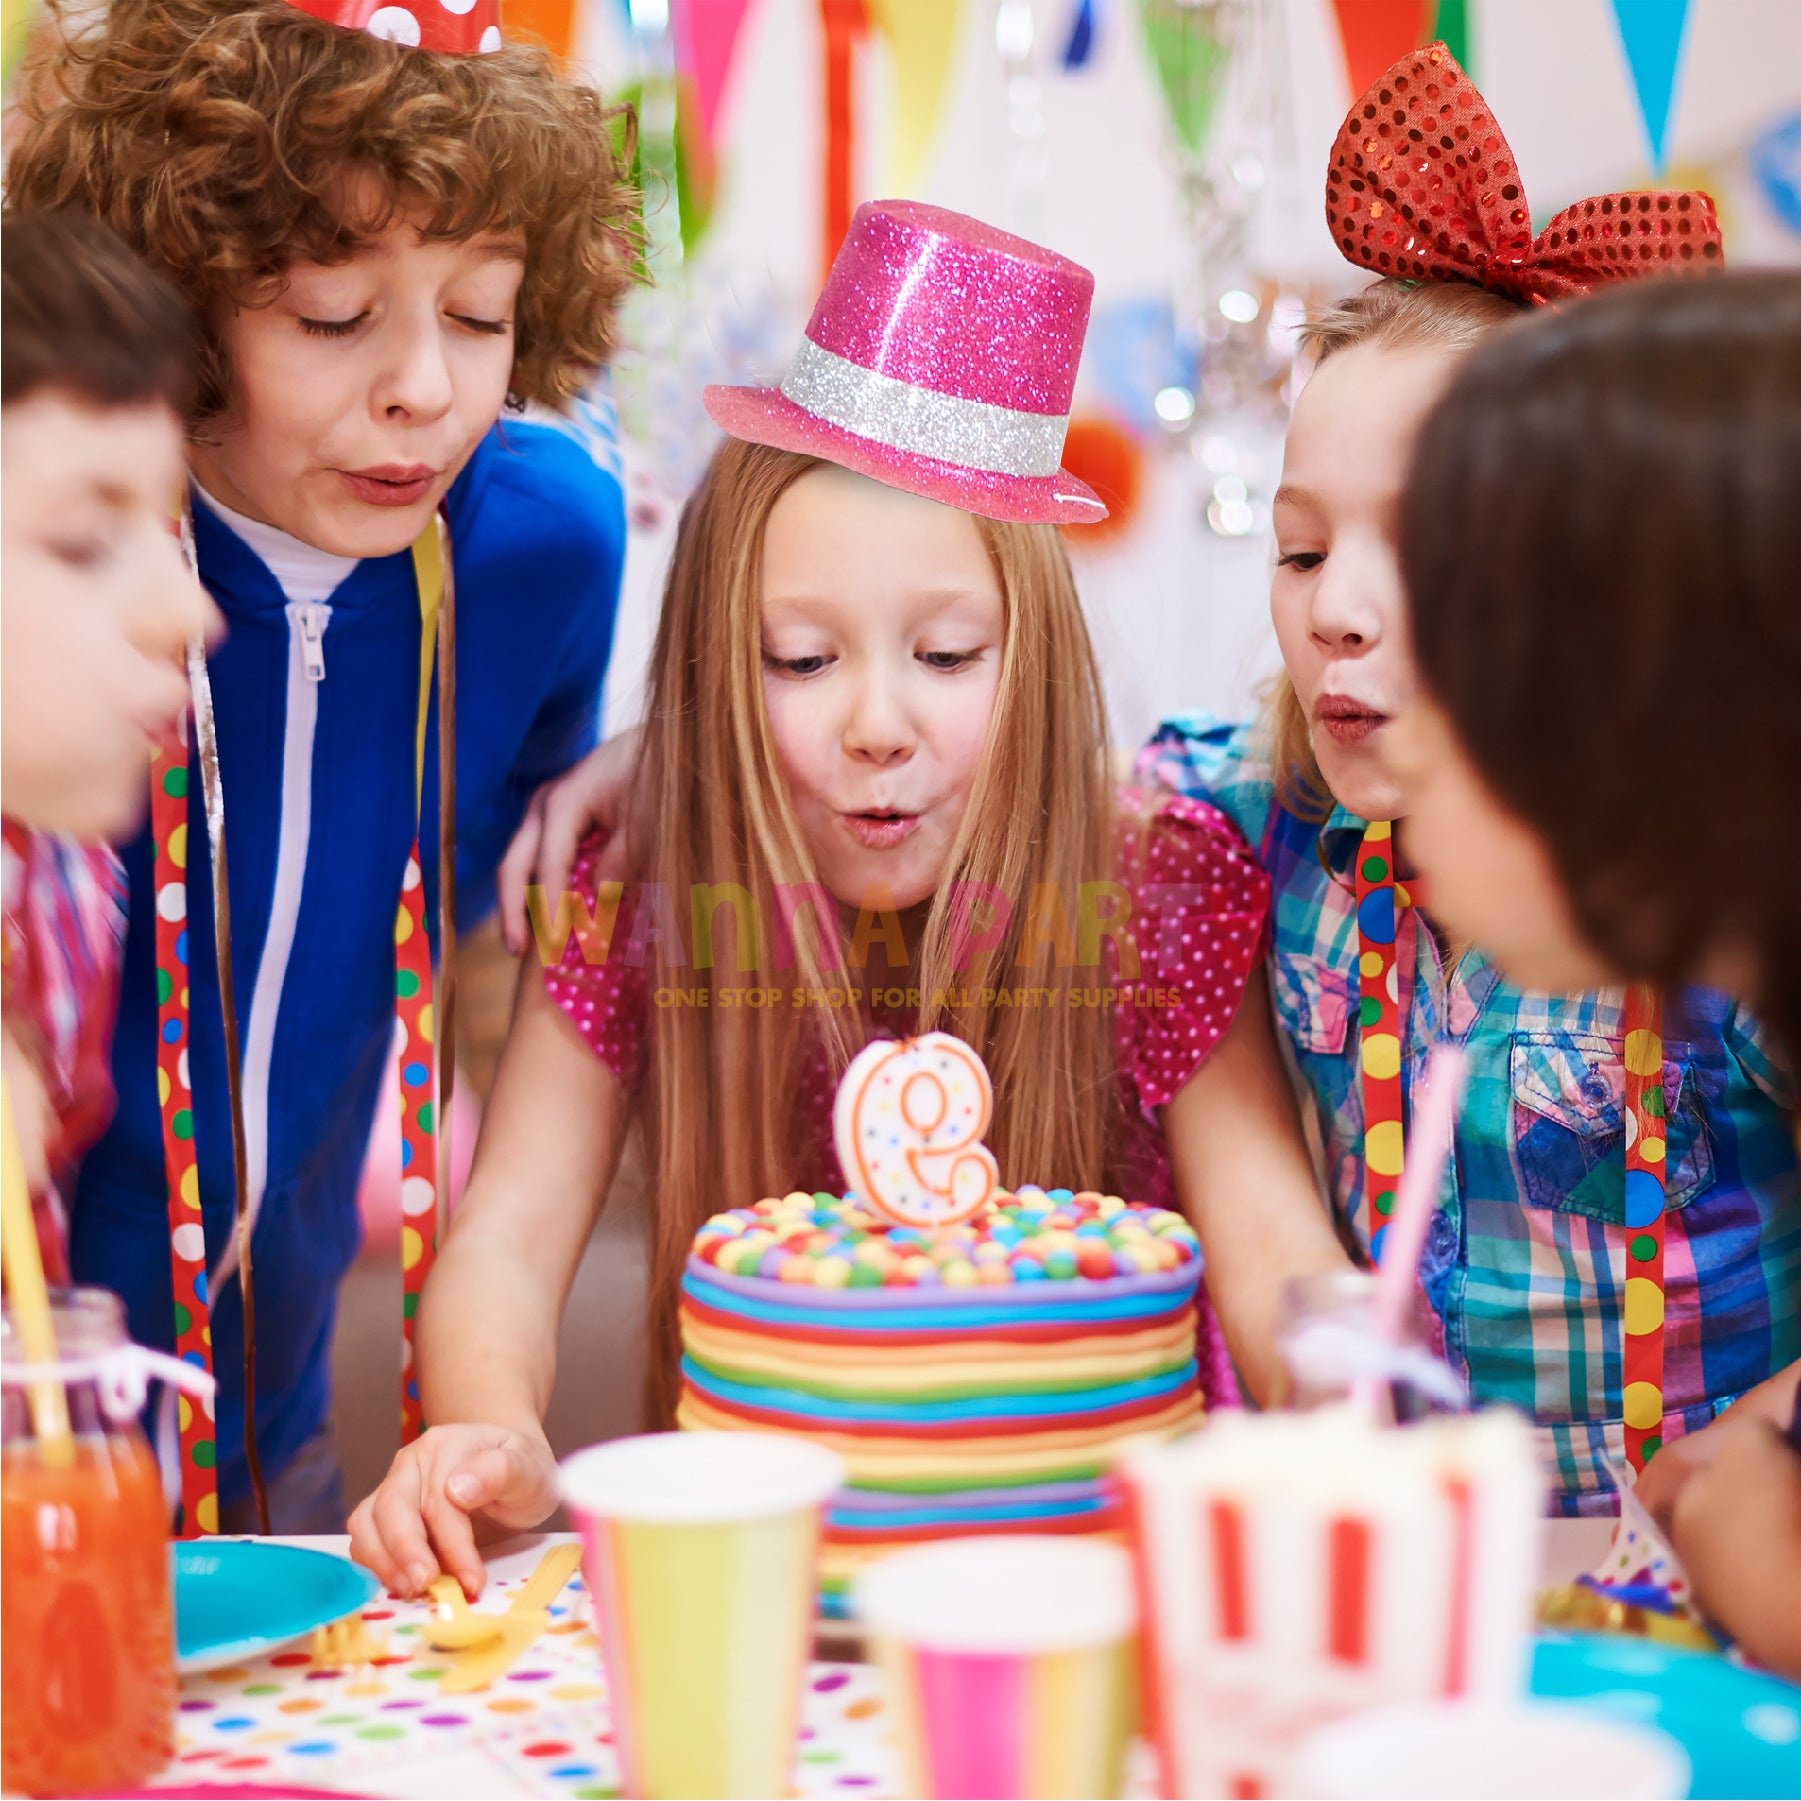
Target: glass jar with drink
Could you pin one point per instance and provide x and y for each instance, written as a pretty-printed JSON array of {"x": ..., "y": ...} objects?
[
  {"x": 87, "y": 1683},
  {"x": 1332, "y": 1347}
]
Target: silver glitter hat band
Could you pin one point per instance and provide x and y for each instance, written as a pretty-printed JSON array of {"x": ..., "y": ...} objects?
[{"x": 973, "y": 434}]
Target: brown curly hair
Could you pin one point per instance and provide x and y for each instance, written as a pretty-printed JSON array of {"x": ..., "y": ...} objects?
[{"x": 216, "y": 137}]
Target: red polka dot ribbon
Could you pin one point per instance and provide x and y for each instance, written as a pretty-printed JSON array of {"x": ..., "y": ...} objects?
[
  {"x": 1380, "y": 900},
  {"x": 427, "y": 1057},
  {"x": 1647, "y": 1145}
]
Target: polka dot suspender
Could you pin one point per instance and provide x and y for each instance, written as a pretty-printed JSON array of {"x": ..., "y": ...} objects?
[
  {"x": 1646, "y": 1144},
  {"x": 1379, "y": 983},
  {"x": 425, "y": 1077},
  {"x": 1378, "y": 901},
  {"x": 425, "y": 1104},
  {"x": 187, "y": 1237}
]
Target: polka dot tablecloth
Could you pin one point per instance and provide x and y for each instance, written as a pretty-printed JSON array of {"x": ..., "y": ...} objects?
[
  {"x": 540, "y": 1730},
  {"x": 543, "y": 1729}
]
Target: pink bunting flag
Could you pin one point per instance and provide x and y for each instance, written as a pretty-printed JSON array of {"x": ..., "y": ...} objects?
[{"x": 706, "y": 37}]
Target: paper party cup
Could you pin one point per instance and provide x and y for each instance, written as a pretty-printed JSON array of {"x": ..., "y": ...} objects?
[
  {"x": 1299, "y": 1568},
  {"x": 1009, "y": 1663},
  {"x": 1488, "y": 1751},
  {"x": 702, "y": 1554}
]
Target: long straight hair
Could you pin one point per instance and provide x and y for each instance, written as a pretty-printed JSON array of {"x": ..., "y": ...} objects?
[{"x": 718, "y": 1100}]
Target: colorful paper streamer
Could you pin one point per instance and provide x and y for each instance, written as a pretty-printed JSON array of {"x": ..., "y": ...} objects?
[{"x": 842, "y": 23}]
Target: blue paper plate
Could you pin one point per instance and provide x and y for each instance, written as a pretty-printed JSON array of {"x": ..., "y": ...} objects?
[
  {"x": 1741, "y": 1730},
  {"x": 239, "y": 1598}
]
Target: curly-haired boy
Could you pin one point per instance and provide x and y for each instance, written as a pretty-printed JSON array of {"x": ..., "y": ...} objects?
[{"x": 393, "y": 252}]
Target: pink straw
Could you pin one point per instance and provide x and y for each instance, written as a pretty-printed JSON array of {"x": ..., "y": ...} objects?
[{"x": 1416, "y": 1200}]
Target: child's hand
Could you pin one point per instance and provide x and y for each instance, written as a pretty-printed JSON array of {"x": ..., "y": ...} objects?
[
  {"x": 1737, "y": 1529},
  {"x": 595, "y": 792},
  {"x": 423, "y": 1518},
  {"x": 1661, "y": 1484},
  {"x": 1681, "y": 1459}
]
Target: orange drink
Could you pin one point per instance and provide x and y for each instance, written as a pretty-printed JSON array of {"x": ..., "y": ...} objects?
[{"x": 87, "y": 1630}]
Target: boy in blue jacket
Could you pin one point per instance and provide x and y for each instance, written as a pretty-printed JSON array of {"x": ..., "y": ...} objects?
[{"x": 395, "y": 250}]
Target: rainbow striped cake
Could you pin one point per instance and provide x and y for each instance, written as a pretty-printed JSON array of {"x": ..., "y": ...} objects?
[{"x": 975, "y": 1378}]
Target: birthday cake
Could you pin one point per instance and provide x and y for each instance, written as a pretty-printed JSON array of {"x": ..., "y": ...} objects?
[{"x": 975, "y": 1377}]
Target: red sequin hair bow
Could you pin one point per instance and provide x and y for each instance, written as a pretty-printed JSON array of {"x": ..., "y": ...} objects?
[{"x": 1422, "y": 185}]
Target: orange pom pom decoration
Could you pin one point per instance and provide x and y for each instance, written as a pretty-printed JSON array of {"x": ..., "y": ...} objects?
[{"x": 1109, "y": 459}]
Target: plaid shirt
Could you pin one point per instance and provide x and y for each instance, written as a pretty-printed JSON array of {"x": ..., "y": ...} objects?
[{"x": 1525, "y": 1262}]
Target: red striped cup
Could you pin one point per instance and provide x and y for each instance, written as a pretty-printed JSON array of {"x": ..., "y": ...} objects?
[{"x": 1296, "y": 1568}]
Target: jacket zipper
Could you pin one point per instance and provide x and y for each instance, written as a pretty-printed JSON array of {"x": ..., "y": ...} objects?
[{"x": 307, "y": 620}]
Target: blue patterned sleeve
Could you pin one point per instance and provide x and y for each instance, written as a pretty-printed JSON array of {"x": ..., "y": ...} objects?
[{"x": 1206, "y": 758}]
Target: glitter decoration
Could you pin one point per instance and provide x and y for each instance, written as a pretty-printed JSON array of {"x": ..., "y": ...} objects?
[
  {"x": 1422, "y": 185},
  {"x": 941, "y": 358},
  {"x": 994, "y": 438}
]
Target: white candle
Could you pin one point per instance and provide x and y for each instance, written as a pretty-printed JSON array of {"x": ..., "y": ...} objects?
[{"x": 908, "y": 1125}]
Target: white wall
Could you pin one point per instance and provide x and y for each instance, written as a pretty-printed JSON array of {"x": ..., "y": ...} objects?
[{"x": 1178, "y": 612}]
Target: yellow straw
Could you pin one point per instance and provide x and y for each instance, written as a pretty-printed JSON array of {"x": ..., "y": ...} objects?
[{"x": 25, "y": 1291}]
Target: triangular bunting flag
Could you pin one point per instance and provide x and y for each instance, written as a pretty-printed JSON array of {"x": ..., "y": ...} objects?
[
  {"x": 706, "y": 35},
  {"x": 1651, "y": 33},
  {"x": 1377, "y": 33}
]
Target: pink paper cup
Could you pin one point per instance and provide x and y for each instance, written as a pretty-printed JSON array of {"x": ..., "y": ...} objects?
[
  {"x": 1009, "y": 1663},
  {"x": 702, "y": 1558}
]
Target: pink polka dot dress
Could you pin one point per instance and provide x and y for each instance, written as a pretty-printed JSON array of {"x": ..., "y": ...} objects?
[{"x": 1199, "y": 907}]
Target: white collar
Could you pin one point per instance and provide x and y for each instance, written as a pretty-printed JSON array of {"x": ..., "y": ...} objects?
[{"x": 305, "y": 572}]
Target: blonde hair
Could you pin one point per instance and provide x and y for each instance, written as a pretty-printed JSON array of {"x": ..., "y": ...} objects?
[
  {"x": 718, "y": 1100},
  {"x": 1390, "y": 314}
]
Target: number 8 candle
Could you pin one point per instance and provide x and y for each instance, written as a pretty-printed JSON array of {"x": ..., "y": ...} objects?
[{"x": 908, "y": 1125}]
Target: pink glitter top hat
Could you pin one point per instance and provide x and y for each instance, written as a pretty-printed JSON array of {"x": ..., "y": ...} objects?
[{"x": 940, "y": 359}]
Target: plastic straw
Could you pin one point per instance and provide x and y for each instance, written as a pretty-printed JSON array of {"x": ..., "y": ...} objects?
[
  {"x": 1416, "y": 1200},
  {"x": 30, "y": 1300}
]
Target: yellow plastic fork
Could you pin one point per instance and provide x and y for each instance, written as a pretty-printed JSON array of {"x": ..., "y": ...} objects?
[
  {"x": 455, "y": 1625},
  {"x": 505, "y": 1637}
]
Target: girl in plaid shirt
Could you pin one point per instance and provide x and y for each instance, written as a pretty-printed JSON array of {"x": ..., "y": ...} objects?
[{"x": 1617, "y": 1250}]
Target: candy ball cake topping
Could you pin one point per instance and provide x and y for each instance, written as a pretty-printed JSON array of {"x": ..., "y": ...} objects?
[{"x": 837, "y": 1241}]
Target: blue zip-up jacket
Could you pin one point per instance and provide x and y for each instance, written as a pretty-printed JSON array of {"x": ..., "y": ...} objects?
[{"x": 318, "y": 774}]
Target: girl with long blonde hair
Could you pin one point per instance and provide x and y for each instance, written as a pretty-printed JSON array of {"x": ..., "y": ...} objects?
[{"x": 872, "y": 796}]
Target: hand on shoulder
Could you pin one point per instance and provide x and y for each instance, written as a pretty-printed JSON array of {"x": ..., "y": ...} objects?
[{"x": 594, "y": 794}]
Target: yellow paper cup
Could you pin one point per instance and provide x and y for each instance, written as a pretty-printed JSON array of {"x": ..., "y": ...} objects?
[
  {"x": 702, "y": 1558},
  {"x": 1009, "y": 1662}
]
